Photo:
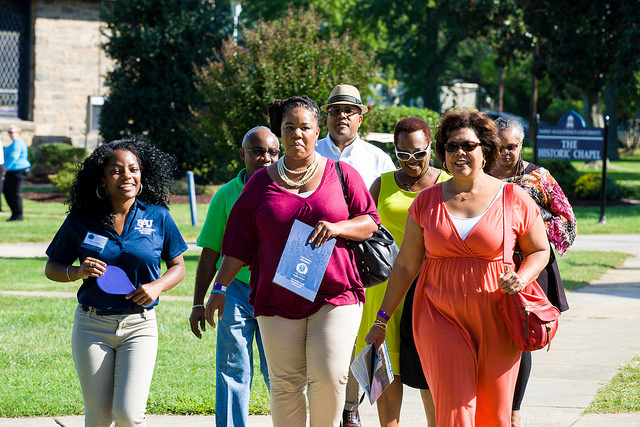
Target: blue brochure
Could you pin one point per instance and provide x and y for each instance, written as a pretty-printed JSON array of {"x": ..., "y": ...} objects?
[{"x": 302, "y": 265}]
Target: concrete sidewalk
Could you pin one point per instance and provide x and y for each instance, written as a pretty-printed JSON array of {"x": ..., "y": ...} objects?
[{"x": 596, "y": 336}]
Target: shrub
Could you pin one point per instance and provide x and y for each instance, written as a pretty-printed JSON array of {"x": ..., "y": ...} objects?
[
  {"x": 589, "y": 186},
  {"x": 64, "y": 178},
  {"x": 50, "y": 158},
  {"x": 384, "y": 119}
]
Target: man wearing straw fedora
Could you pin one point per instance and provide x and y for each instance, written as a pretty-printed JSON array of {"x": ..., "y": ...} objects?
[{"x": 344, "y": 117}]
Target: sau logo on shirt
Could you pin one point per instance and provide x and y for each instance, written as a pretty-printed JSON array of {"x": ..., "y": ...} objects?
[{"x": 144, "y": 226}]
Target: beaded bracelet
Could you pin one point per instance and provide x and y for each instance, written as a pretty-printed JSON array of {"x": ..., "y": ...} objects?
[
  {"x": 69, "y": 277},
  {"x": 383, "y": 315},
  {"x": 218, "y": 288}
]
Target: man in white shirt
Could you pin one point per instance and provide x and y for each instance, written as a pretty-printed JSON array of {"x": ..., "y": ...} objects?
[{"x": 344, "y": 117}]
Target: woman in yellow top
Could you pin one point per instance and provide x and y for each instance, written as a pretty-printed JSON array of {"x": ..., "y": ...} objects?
[{"x": 393, "y": 193}]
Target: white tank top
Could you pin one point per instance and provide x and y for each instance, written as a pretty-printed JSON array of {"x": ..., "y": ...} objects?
[{"x": 465, "y": 225}]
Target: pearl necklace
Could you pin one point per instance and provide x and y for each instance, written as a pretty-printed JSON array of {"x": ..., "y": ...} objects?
[
  {"x": 309, "y": 172},
  {"x": 286, "y": 169}
]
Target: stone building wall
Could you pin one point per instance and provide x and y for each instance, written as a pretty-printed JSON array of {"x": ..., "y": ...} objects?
[{"x": 68, "y": 67}]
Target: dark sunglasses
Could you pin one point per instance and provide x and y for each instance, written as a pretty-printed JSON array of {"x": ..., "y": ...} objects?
[
  {"x": 509, "y": 147},
  {"x": 452, "y": 147},
  {"x": 405, "y": 156},
  {"x": 261, "y": 152},
  {"x": 336, "y": 112}
]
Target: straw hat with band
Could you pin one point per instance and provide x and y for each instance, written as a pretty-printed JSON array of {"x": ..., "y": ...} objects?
[{"x": 345, "y": 95}]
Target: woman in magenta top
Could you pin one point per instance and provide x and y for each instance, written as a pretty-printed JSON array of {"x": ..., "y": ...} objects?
[{"x": 306, "y": 342}]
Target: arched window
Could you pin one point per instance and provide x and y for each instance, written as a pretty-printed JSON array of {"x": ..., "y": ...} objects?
[{"x": 14, "y": 58}]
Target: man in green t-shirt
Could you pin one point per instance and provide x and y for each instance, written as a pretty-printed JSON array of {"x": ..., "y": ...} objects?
[{"x": 237, "y": 327}]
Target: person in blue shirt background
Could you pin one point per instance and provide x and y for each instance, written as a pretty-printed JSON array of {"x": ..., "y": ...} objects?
[
  {"x": 17, "y": 170},
  {"x": 118, "y": 217},
  {"x": 1, "y": 172}
]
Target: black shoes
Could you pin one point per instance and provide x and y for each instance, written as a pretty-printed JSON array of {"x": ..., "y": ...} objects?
[{"x": 351, "y": 419}]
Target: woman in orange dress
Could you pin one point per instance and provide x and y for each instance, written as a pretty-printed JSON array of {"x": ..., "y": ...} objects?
[{"x": 454, "y": 240}]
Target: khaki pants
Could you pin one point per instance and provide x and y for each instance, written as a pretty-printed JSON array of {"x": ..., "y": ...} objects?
[
  {"x": 316, "y": 351},
  {"x": 114, "y": 357}
]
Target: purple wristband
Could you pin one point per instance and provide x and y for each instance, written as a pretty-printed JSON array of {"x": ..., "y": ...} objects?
[
  {"x": 218, "y": 288},
  {"x": 383, "y": 315}
]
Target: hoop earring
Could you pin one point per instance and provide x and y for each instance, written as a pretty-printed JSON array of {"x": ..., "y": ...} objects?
[
  {"x": 140, "y": 190},
  {"x": 444, "y": 167},
  {"x": 106, "y": 193},
  {"x": 484, "y": 162}
]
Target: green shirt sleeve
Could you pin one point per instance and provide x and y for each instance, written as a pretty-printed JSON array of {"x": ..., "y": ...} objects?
[{"x": 216, "y": 220}]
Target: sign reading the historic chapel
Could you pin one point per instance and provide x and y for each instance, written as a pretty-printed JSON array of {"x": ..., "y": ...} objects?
[{"x": 569, "y": 140}]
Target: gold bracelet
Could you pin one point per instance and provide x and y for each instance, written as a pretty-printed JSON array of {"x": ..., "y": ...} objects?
[{"x": 380, "y": 324}]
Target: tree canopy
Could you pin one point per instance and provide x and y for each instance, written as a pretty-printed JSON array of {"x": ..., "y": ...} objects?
[
  {"x": 156, "y": 47},
  {"x": 277, "y": 59}
]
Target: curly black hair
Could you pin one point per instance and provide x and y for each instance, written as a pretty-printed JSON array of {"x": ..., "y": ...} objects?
[
  {"x": 280, "y": 107},
  {"x": 157, "y": 172}
]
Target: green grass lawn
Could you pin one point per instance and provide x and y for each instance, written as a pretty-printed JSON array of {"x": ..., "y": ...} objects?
[
  {"x": 621, "y": 219},
  {"x": 578, "y": 268},
  {"x": 38, "y": 377},
  {"x": 622, "y": 393}
]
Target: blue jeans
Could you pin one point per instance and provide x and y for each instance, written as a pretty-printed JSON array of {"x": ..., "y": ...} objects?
[{"x": 234, "y": 357}]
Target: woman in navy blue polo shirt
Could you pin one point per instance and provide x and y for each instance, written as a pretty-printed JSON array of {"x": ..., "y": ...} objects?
[{"x": 120, "y": 229}]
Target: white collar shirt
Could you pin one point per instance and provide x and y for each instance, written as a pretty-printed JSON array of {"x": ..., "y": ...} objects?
[{"x": 369, "y": 160}]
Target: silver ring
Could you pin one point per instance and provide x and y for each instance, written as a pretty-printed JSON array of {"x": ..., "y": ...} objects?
[{"x": 90, "y": 263}]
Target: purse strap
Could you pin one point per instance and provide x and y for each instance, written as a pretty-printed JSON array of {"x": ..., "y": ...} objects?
[
  {"x": 341, "y": 179},
  {"x": 507, "y": 209}
]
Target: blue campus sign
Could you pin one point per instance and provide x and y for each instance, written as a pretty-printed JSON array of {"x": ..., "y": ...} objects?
[{"x": 569, "y": 140}]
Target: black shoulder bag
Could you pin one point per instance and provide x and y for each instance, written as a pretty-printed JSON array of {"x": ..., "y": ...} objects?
[{"x": 374, "y": 256}]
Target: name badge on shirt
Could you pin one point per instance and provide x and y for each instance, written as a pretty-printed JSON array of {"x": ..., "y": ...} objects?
[{"x": 94, "y": 242}]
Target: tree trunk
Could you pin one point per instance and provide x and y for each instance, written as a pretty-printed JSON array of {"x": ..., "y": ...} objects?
[
  {"x": 586, "y": 109},
  {"x": 611, "y": 100},
  {"x": 533, "y": 126},
  {"x": 500, "y": 89}
]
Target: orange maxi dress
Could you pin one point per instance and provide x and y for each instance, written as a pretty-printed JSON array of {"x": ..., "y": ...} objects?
[{"x": 469, "y": 360}]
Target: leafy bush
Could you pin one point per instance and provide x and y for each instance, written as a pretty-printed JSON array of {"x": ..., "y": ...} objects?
[
  {"x": 563, "y": 172},
  {"x": 278, "y": 59},
  {"x": 384, "y": 119},
  {"x": 49, "y": 158},
  {"x": 64, "y": 178},
  {"x": 589, "y": 186}
]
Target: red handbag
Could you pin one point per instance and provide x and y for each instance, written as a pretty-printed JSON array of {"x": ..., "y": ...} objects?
[{"x": 531, "y": 320}]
